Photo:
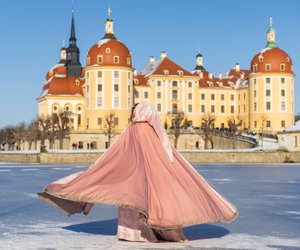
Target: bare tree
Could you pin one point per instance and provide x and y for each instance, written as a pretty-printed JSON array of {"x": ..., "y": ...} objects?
[
  {"x": 20, "y": 134},
  {"x": 109, "y": 126},
  {"x": 176, "y": 129},
  {"x": 2, "y": 139},
  {"x": 262, "y": 122},
  {"x": 33, "y": 133},
  {"x": 233, "y": 125},
  {"x": 47, "y": 132},
  {"x": 61, "y": 124},
  {"x": 10, "y": 137},
  {"x": 207, "y": 127}
]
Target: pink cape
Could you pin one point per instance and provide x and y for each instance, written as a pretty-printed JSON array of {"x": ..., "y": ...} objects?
[{"x": 136, "y": 172}]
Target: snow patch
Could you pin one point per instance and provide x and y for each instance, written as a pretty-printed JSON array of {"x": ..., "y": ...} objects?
[{"x": 103, "y": 41}]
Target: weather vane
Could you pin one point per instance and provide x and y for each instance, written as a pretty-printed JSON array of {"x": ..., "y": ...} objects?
[
  {"x": 109, "y": 11},
  {"x": 271, "y": 21}
]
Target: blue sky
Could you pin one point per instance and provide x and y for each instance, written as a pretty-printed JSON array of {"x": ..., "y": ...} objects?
[{"x": 226, "y": 32}]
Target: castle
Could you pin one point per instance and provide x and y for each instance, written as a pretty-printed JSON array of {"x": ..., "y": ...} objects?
[{"x": 260, "y": 98}]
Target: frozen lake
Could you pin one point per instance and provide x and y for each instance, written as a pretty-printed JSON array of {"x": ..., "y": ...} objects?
[{"x": 267, "y": 197}]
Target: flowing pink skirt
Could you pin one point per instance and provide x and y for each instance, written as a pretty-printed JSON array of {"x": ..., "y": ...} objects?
[{"x": 136, "y": 173}]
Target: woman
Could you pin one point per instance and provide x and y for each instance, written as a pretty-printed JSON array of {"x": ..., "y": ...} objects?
[{"x": 157, "y": 190}]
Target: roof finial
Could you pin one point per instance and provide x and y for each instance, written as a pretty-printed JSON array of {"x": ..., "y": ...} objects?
[
  {"x": 271, "y": 22},
  {"x": 109, "y": 11}
]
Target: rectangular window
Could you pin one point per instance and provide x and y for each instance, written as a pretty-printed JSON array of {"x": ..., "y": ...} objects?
[
  {"x": 129, "y": 75},
  {"x": 222, "y": 109},
  {"x": 158, "y": 95},
  {"x": 268, "y": 92},
  {"x": 128, "y": 88},
  {"x": 239, "y": 109},
  {"x": 174, "y": 94},
  {"x": 136, "y": 94},
  {"x": 282, "y": 66},
  {"x": 283, "y": 106},
  {"x": 158, "y": 83},
  {"x": 283, "y": 124},
  {"x": 232, "y": 109},
  {"x": 99, "y": 101},
  {"x": 202, "y": 96},
  {"x": 244, "y": 96},
  {"x": 190, "y": 96},
  {"x": 146, "y": 95},
  {"x": 116, "y": 101},
  {"x": 254, "y": 93},
  {"x": 159, "y": 107},
  {"x": 202, "y": 108},
  {"x": 190, "y": 107},
  {"x": 174, "y": 84},
  {"x": 116, "y": 87},
  {"x": 282, "y": 92},
  {"x": 99, "y": 74},
  {"x": 212, "y": 97},
  {"x": 268, "y": 105},
  {"x": 232, "y": 97},
  {"x": 87, "y": 88},
  {"x": 268, "y": 124},
  {"x": 99, "y": 87},
  {"x": 296, "y": 141},
  {"x": 255, "y": 124},
  {"x": 99, "y": 121},
  {"x": 222, "y": 97},
  {"x": 268, "y": 80},
  {"x": 212, "y": 108},
  {"x": 282, "y": 80},
  {"x": 116, "y": 74},
  {"x": 255, "y": 106},
  {"x": 116, "y": 121},
  {"x": 244, "y": 108},
  {"x": 239, "y": 97},
  {"x": 254, "y": 81},
  {"x": 268, "y": 66},
  {"x": 189, "y": 84}
]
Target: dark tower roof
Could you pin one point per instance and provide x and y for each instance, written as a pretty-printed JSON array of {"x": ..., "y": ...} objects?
[{"x": 73, "y": 64}]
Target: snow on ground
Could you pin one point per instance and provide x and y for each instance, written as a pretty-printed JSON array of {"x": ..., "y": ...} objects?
[{"x": 267, "y": 198}]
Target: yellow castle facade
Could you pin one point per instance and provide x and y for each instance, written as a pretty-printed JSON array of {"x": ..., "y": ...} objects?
[{"x": 258, "y": 99}]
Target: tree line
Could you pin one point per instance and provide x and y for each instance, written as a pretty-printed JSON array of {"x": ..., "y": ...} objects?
[{"x": 54, "y": 127}]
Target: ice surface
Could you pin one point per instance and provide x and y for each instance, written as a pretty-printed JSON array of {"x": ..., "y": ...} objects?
[{"x": 267, "y": 198}]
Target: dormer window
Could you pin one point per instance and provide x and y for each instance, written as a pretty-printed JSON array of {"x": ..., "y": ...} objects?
[
  {"x": 282, "y": 66},
  {"x": 287, "y": 59},
  {"x": 180, "y": 72},
  {"x": 116, "y": 59},
  {"x": 255, "y": 67},
  {"x": 88, "y": 60},
  {"x": 107, "y": 50},
  {"x": 268, "y": 66},
  {"x": 166, "y": 72},
  {"x": 128, "y": 60},
  {"x": 77, "y": 82},
  {"x": 100, "y": 59},
  {"x": 136, "y": 81},
  {"x": 260, "y": 58}
]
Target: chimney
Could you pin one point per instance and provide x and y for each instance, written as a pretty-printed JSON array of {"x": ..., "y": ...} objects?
[
  {"x": 210, "y": 75},
  {"x": 237, "y": 67},
  {"x": 163, "y": 55},
  {"x": 201, "y": 75},
  {"x": 151, "y": 59}
]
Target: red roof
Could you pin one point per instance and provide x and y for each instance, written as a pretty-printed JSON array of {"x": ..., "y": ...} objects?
[
  {"x": 116, "y": 49},
  {"x": 69, "y": 85},
  {"x": 141, "y": 81},
  {"x": 273, "y": 56}
]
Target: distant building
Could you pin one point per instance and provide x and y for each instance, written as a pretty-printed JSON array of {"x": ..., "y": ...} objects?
[
  {"x": 290, "y": 137},
  {"x": 260, "y": 98}
]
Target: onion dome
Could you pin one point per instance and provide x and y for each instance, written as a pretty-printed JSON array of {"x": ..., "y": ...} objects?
[
  {"x": 271, "y": 59},
  {"x": 109, "y": 51}
]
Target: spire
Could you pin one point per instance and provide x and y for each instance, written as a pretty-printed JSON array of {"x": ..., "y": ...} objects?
[
  {"x": 73, "y": 64},
  {"x": 271, "y": 36},
  {"x": 109, "y": 26}
]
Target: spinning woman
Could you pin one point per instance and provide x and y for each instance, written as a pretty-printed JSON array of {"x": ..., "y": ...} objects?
[{"x": 158, "y": 192}]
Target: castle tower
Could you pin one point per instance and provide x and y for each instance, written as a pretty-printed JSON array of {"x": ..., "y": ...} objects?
[
  {"x": 109, "y": 81},
  {"x": 271, "y": 88},
  {"x": 73, "y": 64}
]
